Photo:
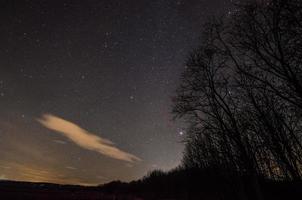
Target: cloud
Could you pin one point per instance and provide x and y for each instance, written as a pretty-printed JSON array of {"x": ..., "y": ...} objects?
[
  {"x": 59, "y": 141},
  {"x": 35, "y": 173},
  {"x": 84, "y": 139},
  {"x": 71, "y": 168}
]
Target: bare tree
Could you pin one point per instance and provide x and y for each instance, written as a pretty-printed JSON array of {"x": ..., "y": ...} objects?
[{"x": 241, "y": 93}]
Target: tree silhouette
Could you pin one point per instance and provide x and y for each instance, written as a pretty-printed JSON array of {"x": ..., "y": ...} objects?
[{"x": 241, "y": 94}]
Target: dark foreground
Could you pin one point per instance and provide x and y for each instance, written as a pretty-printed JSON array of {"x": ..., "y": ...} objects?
[{"x": 177, "y": 185}]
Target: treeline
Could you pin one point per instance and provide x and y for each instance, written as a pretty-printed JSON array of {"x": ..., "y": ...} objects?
[
  {"x": 241, "y": 93},
  {"x": 194, "y": 183}
]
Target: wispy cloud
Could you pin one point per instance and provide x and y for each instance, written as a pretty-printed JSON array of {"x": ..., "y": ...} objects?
[
  {"x": 85, "y": 139},
  {"x": 71, "y": 168},
  {"x": 59, "y": 141},
  {"x": 35, "y": 173}
]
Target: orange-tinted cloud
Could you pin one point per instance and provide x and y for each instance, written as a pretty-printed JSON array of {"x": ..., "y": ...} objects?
[
  {"x": 34, "y": 173},
  {"x": 84, "y": 139}
]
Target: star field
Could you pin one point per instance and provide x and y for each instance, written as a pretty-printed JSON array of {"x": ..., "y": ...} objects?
[{"x": 108, "y": 67}]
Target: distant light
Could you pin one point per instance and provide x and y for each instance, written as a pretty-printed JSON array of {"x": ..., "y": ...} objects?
[{"x": 181, "y": 132}]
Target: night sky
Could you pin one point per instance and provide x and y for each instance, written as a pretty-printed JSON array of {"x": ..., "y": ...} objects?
[{"x": 86, "y": 86}]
